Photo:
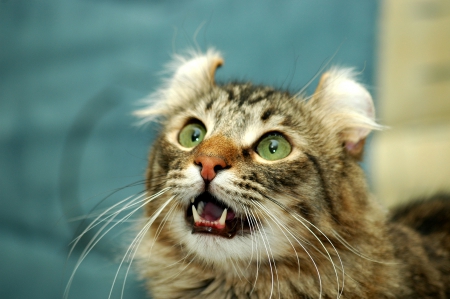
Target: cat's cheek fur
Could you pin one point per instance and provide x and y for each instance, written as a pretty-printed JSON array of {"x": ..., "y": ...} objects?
[{"x": 187, "y": 185}]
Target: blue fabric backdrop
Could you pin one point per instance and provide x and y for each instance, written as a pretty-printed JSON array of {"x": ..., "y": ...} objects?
[{"x": 71, "y": 73}]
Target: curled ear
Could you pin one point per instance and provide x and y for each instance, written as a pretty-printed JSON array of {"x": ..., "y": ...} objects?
[
  {"x": 198, "y": 69},
  {"x": 192, "y": 75},
  {"x": 345, "y": 108}
]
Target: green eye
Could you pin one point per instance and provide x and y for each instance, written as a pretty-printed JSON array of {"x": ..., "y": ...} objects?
[
  {"x": 191, "y": 135},
  {"x": 273, "y": 147}
]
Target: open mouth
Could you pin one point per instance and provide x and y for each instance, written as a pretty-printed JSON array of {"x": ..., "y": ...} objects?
[{"x": 210, "y": 216}]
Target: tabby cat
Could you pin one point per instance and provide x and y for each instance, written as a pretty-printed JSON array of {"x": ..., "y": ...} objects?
[{"x": 254, "y": 192}]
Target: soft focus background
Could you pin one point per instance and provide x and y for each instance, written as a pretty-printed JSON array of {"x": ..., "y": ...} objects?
[
  {"x": 412, "y": 158},
  {"x": 72, "y": 72}
]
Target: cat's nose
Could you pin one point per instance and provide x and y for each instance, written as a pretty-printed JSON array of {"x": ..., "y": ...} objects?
[{"x": 210, "y": 166}]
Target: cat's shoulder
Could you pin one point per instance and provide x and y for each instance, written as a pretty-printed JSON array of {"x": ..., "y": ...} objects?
[{"x": 425, "y": 215}]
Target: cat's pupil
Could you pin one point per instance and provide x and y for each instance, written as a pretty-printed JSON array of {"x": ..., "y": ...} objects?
[
  {"x": 196, "y": 135},
  {"x": 273, "y": 146}
]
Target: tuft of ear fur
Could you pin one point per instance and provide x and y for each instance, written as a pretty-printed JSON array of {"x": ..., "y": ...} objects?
[
  {"x": 345, "y": 107},
  {"x": 192, "y": 75}
]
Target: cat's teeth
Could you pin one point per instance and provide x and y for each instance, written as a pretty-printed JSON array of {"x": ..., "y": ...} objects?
[
  {"x": 192, "y": 200},
  {"x": 195, "y": 214},
  {"x": 197, "y": 219},
  {"x": 200, "y": 207},
  {"x": 223, "y": 217}
]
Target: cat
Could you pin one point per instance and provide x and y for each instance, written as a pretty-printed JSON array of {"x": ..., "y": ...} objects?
[{"x": 254, "y": 192}]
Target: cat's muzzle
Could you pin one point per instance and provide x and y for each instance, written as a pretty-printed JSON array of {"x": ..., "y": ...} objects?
[{"x": 209, "y": 215}]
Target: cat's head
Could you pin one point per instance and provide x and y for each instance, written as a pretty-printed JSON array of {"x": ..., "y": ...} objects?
[{"x": 241, "y": 172}]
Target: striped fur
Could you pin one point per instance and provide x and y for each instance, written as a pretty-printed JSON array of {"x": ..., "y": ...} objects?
[{"x": 309, "y": 228}]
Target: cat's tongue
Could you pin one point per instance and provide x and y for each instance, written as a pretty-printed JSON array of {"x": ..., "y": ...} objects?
[
  {"x": 211, "y": 215},
  {"x": 211, "y": 212}
]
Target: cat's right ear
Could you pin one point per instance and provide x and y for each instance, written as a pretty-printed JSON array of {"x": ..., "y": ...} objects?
[
  {"x": 197, "y": 69},
  {"x": 192, "y": 75}
]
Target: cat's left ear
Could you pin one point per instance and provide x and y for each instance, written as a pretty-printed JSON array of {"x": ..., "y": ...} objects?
[{"x": 345, "y": 107}]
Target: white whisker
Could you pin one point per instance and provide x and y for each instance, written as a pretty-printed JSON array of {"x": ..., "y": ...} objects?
[
  {"x": 298, "y": 241},
  {"x": 340, "y": 289},
  {"x": 161, "y": 225},
  {"x": 254, "y": 240},
  {"x": 98, "y": 220},
  {"x": 184, "y": 268},
  {"x": 92, "y": 242},
  {"x": 355, "y": 251},
  {"x": 135, "y": 244},
  {"x": 100, "y": 234},
  {"x": 297, "y": 217},
  {"x": 268, "y": 249},
  {"x": 282, "y": 228}
]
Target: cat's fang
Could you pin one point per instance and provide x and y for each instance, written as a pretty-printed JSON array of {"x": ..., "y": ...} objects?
[
  {"x": 223, "y": 218},
  {"x": 195, "y": 214}
]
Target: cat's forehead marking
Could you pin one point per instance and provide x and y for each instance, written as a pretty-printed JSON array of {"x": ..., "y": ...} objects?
[
  {"x": 247, "y": 94},
  {"x": 266, "y": 114},
  {"x": 244, "y": 113},
  {"x": 244, "y": 118}
]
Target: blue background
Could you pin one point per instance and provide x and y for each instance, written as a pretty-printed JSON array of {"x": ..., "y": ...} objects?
[{"x": 72, "y": 72}]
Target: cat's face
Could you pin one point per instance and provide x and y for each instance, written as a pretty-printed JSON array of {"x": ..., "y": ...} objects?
[{"x": 249, "y": 173}]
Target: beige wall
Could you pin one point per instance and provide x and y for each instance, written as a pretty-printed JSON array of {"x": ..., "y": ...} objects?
[{"x": 412, "y": 157}]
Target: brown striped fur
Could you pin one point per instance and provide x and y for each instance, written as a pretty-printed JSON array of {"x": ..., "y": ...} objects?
[{"x": 315, "y": 231}]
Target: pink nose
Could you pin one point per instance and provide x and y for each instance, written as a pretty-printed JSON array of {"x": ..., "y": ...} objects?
[{"x": 210, "y": 166}]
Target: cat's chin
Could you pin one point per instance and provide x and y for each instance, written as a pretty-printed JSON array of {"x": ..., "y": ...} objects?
[{"x": 218, "y": 251}]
